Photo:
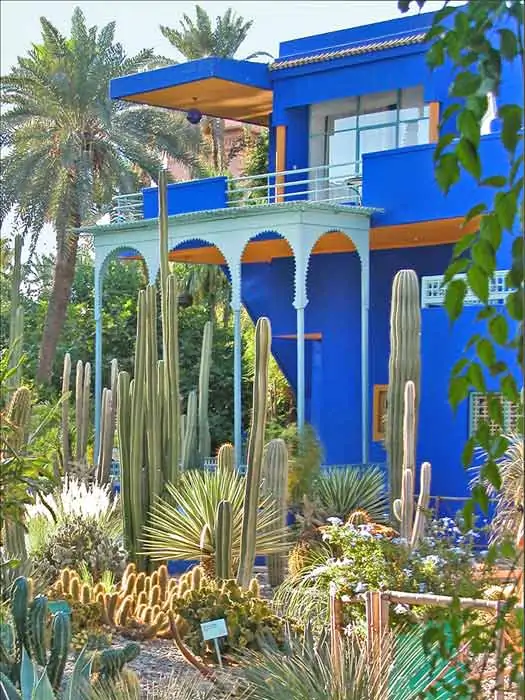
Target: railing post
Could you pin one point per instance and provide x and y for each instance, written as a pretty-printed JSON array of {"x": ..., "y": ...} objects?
[{"x": 377, "y": 613}]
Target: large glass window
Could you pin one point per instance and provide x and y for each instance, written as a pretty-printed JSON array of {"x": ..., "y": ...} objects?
[{"x": 376, "y": 122}]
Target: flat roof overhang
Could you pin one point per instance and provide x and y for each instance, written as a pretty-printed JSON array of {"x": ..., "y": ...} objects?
[{"x": 217, "y": 87}]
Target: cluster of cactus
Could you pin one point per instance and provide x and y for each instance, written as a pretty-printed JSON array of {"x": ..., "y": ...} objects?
[
  {"x": 404, "y": 365},
  {"x": 248, "y": 617},
  {"x": 74, "y": 457},
  {"x": 152, "y": 438},
  {"x": 32, "y": 641},
  {"x": 412, "y": 525}
]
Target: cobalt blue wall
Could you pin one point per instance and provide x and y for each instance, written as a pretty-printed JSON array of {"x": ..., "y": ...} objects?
[
  {"x": 185, "y": 197},
  {"x": 333, "y": 364}
]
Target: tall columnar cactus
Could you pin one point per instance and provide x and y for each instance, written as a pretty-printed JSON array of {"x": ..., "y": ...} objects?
[
  {"x": 66, "y": 383},
  {"x": 190, "y": 435},
  {"x": 204, "y": 384},
  {"x": 412, "y": 528},
  {"x": 16, "y": 321},
  {"x": 275, "y": 483},
  {"x": 82, "y": 396},
  {"x": 148, "y": 406},
  {"x": 19, "y": 416},
  {"x": 226, "y": 458},
  {"x": 263, "y": 340},
  {"x": 404, "y": 365},
  {"x": 224, "y": 539}
]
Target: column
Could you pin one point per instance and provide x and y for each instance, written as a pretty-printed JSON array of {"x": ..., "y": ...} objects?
[
  {"x": 365, "y": 293},
  {"x": 300, "y": 368},
  {"x": 98, "y": 355},
  {"x": 237, "y": 385},
  {"x": 280, "y": 162}
]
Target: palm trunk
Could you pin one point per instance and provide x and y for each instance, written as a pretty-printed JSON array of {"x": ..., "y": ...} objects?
[{"x": 57, "y": 307}]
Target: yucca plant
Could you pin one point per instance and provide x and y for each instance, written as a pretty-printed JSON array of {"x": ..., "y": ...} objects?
[
  {"x": 342, "y": 490},
  {"x": 176, "y": 526},
  {"x": 509, "y": 497},
  {"x": 306, "y": 670}
]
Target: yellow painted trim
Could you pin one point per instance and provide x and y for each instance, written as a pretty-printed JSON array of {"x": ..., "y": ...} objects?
[
  {"x": 433, "y": 129},
  {"x": 280, "y": 161},
  {"x": 379, "y": 412},
  {"x": 214, "y": 97},
  {"x": 423, "y": 233}
]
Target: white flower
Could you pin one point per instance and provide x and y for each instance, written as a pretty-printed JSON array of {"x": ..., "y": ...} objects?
[
  {"x": 432, "y": 560},
  {"x": 326, "y": 537},
  {"x": 422, "y": 587},
  {"x": 360, "y": 587},
  {"x": 334, "y": 521},
  {"x": 399, "y": 540},
  {"x": 345, "y": 598}
]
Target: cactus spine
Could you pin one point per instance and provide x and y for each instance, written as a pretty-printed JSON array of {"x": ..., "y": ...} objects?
[
  {"x": 224, "y": 538},
  {"x": 226, "y": 458},
  {"x": 404, "y": 365},
  {"x": 275, "y": 483},
  {"x": 263, "y": 340},
  {"x": 204, "y": 385},
  {"x": 412, "y": 528}
]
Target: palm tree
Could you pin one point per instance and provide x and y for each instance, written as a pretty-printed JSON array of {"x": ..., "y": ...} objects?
[
  {"x": 70, "y": 148},
  {"x": 200, "y": 39}
]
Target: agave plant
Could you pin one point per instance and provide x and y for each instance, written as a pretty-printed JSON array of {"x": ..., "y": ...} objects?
[
  {"x": 306, "y": 670},
  {"x": 175, "y": 527},
  {"x": 342, "y": 490}
]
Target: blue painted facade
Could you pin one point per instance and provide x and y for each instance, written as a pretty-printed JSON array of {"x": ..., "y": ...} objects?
[{"x": 401, "y": 182}]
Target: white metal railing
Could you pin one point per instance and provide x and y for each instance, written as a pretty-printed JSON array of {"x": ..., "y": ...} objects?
[
  {"x": 321, "y": 183},
  {"x": 433, "y": 290},
  {"x": 126, "y": 207}
]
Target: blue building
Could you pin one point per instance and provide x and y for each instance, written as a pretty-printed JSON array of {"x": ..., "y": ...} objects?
[{"x": 350, "y": 198}]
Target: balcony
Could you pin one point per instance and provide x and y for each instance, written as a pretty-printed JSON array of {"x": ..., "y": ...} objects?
[{"x": 340, "y": 184}]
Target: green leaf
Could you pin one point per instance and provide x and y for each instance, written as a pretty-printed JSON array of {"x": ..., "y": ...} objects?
[
  {"x": 486, "y": 353},
  {"x": 490, "y": 230},
  {"x": 436, "y": 55},
  {"x": 475, "y": 376},
  {"x": 469, "y": 158},
  {"x": 512, "y": 117},
  {"x": 457, "y": 390},
  {"x": 485, "y": 313},
  {"x": 505, "y": 206},
  {"x": 465, "y": 84},
  {"x": 508, "y": 44},
  {"x": 514, "y": 305},
  {"x": 443, "y": 142},
  {"x": 478, "y": 281},
  {"x": 490, "y": 472},
  {"x": 494, "y": 181},
  {"x": 469, "y": 126},
  {"x": 468, "y": 453},
  {"x": 477, "y": 104},
  {"x": 495, "y": 409},
  {"x": 509, "y": 388},
  {"x": 499, "y": 329},
  {"x": 483, "y": 255},
  {"x": 450, "y": 111},
  {"x": 473, "y": 212},
  {"x": 454, "y": 296},
  {"x": 456, "y": 267},
  {"x": 497, "y": 368},
  {"x": 447, "y": 171},
  {"x": 459, "y": 365},
  {"x": 467, "y": 515},
  {"x": 483, "y": 435},
  {"x": 481, "y": 497}
]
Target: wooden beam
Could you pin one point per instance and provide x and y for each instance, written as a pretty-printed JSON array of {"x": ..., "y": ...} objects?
[
  {"x": 433, "y": 131},
  {"x": 280, "y": 161}
]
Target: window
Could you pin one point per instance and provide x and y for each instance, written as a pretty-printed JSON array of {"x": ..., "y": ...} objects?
[
  {"x": 479, "y": 412},
  {"x": 377, "y": 122},
  {"x": 379, "y": 412}
]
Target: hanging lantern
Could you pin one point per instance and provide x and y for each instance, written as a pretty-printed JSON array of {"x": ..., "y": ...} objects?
[{"x": 193, "y": 116}]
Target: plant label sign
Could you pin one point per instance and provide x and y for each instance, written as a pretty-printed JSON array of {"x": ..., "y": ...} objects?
[{"x": 214, "y": 629}]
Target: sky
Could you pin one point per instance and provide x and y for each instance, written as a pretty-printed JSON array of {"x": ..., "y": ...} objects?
[{"x": 138, "y": 27}]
